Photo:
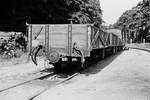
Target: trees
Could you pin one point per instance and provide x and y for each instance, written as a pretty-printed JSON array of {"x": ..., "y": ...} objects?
[
  {"x": 49, "y": 12},
  {"x": 135, "y": 19}
]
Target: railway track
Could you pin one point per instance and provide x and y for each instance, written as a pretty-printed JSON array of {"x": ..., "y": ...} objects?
[
  {"x": 58, "y": 83},
  {"x": 25, "y": 79},
  {"x": 43, "y": 77},
  {"x": 49, "y": 77},
  {"x": 62, "y": 81}
]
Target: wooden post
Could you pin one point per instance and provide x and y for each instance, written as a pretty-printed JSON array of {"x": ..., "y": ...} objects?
[
  {"x": 46, "y": 39},
  {"x": 29, "y": 46},
  {"x": 70, "y": 39},
  {"x": 46, "y": 62}
]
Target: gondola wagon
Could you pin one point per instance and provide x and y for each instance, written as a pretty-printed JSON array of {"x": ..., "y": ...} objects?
[{"x": 71, "y": 42}]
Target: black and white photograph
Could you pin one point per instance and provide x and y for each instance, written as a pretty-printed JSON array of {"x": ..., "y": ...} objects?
[{"x": 75, "y": 50}]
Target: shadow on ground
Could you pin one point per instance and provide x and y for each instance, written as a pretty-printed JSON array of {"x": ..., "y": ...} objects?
[{"x": 94, "y": 68}]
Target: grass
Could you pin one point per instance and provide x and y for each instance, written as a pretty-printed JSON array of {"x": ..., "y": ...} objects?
[{"x": 13, "y": 61}]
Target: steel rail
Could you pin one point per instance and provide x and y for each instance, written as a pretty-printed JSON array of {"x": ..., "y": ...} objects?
[
  {"x": 24, "y": 82},
  {"x": 63, "y": 81}
]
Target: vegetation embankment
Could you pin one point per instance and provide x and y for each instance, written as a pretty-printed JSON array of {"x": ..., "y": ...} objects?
[
  {"x": 135, "y": 23},
  {"x": 12, "y": 47}
]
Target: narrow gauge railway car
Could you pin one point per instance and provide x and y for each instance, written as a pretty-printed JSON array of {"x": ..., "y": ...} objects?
[{"x": 71, "y": 42}]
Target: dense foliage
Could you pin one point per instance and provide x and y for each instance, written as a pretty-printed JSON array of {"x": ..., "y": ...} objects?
[
  {"x": 136, "y": 21},
  {"x": 15, "y": 13},
  {"x": 15, "y": 46}
]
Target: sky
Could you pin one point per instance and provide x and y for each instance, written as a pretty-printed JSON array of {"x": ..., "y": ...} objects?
[{"x": 113, "y": 9}]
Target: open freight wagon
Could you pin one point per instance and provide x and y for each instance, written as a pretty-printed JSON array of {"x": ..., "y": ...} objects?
[{"x": 70, "y": 42}]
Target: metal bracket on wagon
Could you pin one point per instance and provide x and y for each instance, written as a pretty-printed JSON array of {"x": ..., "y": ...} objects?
[
  {"x": 78, "y": 51},
  {"x": 34, "y": 53}
]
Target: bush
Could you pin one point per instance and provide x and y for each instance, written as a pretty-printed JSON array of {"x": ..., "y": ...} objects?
[{"x": 15, "y": 46}]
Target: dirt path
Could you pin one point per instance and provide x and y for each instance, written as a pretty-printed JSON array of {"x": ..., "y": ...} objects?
[{"x": 125, "y": 76}]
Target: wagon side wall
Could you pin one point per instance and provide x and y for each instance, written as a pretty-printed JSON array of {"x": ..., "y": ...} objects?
[{"x": 64, "y": 38}]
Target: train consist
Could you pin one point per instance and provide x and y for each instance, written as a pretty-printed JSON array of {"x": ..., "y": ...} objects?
[{"x": 71, "y": 42}]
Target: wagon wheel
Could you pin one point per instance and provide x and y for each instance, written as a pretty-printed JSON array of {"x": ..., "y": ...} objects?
[{"x": 54, "y": 58}]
